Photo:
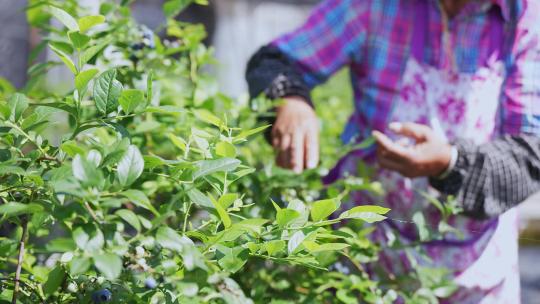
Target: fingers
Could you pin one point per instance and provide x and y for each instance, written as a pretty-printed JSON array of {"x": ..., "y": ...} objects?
[
  {"x": 290, "y": 149},
  {"x": 295, "y": 136},
  {"x": 395, "y": 156},
  {"x": 296, "y": 152},
  {"x": 388, "y": 149},
  {"x": 416, "y": 131},
  {"x": 312, "y": 149}
]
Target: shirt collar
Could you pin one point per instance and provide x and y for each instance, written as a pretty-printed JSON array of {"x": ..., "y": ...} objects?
[{"x": 503, "y": 5}]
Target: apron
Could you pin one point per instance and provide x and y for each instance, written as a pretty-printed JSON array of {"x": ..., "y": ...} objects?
[{"x": 484, "y": 260}]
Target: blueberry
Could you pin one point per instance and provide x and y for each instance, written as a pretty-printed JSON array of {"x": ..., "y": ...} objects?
[
  {"x": 150, "y": 283},
  {"x": 137, "y": 46},
  {"x": 101, "y": 296}
]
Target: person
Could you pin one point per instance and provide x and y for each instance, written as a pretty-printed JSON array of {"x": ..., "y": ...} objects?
[
  {"x": 468, "y": 71},
  {"x": 486, "y": 179}
]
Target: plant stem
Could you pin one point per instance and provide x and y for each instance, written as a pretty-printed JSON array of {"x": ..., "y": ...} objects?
[
  {"x": 20, "y": 260},
  {"x": 27, "y": 136},
  {"x": 92, "y": 213},
  {"x": 186, "y": 216}
]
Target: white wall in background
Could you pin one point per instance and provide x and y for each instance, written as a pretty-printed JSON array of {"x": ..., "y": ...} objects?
[{"x": 242, "y": 27}]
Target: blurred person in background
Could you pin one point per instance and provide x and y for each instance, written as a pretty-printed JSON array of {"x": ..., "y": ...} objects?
[
  {"x": 14, "y": 46},
  {"x": 460, "y": 73}
]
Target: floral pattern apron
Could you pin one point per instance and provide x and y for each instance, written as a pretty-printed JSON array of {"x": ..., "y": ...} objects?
[{"x": 484, "y": 260}]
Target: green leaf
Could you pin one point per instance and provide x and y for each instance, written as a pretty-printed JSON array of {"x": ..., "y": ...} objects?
[
  {"x": 420, "y": 222},
  {"x": 285, "y": 216},
  {"x": 313, "y": 247},
  {"x": 60, "y": 245},
  {"x": 298, "y": 206},
  {"x": 79, "y": 265},
  {"x": 207, "y": 167},
  {"x": 324, "y": 208},
  {"x": 11, "y": 170},
  {"x": 130, "y": 166},
  {"x": 86, "y": 171},
  {"x": 225, "y": 149},
  {"x": 370, "y": 208},
  {"x": 234, "y": 259},
  {"x": 65, "y": 18},
  {"x": 295, "y": 241},
  {"x": 369, "y": 214},
  {"x": 78, "y": 40},
  {"x": 65, "y": 58},
  {"x": 88, "y": 238},
  {"x": 245, "y": 134},
  {"x": 6, "y": 88},
  {"x": 172, "y": 8},
  {"x": 110, "y": 265},
  {"x": 445, "y": 291},
  {"x": 130, "y": 217},
  {"x": 435, "y": 202},
  {"x": 72, "y": 148},
  {"x": 253, "y": 224},
  {"x": 226, "y": 200},
  {"x": 84, "y": 77},
  {"x": 107, "y": 90},
  {"x": 199, "y": 198},
  {"x": 223, "y": 215},
  {"x": 87, "y": 22},
  {"x": 178, "y": 142},
  {"x": 13, "y": 208},
  {"x": 131, "y": 99},
  {"x": 210, "y": 118},
  {"x": 18, "y": 103},
  {"x": 92, "y": 51},
  {"x": 54, "y": 280},
  {"x": 191, "y": 256},
  {"x": 140, "y": 199},
  {"x": 169, "y": 239},
  {"x": 149, "y": 88},
  {"x": 61, "y": 106},
  {"x": 366, "y": 143},
  {"x": 274, "y": 246}
]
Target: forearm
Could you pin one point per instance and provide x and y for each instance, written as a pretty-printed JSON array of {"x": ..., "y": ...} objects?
[{"x": 491, "y": 178}]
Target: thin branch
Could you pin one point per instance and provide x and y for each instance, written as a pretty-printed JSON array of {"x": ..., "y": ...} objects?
[
  {"x": 186, "y": 216},
  {"x": 92, "y": 213},
  {"x": 20, "y": 260}
]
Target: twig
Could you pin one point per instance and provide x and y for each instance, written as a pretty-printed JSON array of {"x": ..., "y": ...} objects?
[
  {"x": 92, "y": 213},
  {"x": 186, "y": 217},
  {"x": 20, "y": 261}
]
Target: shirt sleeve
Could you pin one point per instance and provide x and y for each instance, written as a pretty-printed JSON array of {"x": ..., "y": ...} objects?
[
  {"x": 520, "y": 98},
  {"x": 491, "y": 178},
  {"x": 331, "y": 38}
]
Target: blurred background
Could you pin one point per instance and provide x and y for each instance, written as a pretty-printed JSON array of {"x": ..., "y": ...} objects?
[{"x": 236, "y": 29}]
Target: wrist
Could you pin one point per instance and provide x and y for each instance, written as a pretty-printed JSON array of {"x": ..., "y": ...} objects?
[{"x": 450, "y": 162}]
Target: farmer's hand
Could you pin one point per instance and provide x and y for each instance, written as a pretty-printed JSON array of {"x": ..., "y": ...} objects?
[
  {"x": 429, "y": 156},
  {"x": 295, "y": 135}
]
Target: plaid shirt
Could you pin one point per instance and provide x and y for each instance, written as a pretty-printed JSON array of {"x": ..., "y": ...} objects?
[
  {"x": 373, "y": 38},
  {"x": 491, "y": 178}
]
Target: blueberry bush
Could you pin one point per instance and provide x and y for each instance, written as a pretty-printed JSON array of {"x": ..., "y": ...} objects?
[{"x": 141, "y": 183}]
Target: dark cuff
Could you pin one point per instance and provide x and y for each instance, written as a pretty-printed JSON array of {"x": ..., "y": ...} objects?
[
  {"x": 452, "y": 183},
  {"x": 271, "y": 72}
]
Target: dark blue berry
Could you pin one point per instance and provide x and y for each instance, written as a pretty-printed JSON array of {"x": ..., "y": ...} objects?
[
  {"x": 101, "y": 296},
  {"x": 137, "y": 46},
  {"x": 150, "y": 283}
]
